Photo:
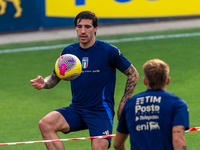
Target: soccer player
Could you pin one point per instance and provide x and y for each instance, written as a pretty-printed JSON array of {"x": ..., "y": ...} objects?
[
  {"x": 92, "y": 104},
  {"x": 155, "y": 119}
]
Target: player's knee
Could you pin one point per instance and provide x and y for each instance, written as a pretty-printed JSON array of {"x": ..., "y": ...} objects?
[
  {"x": 44, "y": 126},
  {"x": 116, "y": 146},
  {"x": 98, "y": 147},
  {"x": 100, "y": 144}
]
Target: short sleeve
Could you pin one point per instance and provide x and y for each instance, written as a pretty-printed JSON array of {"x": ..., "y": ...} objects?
[
  {"x": 181, "y": 114},
  {"x": 118, "y": 60},
  {"x": 122, "y": 125}
]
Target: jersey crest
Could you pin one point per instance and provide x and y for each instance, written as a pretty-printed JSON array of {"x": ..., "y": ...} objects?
[{"x": 85, "y": 61}]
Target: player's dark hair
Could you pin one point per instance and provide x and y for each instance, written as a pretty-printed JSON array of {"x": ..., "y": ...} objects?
[
  {"x": 156, "y": 71},
  {"x": 86, "y": 15}
]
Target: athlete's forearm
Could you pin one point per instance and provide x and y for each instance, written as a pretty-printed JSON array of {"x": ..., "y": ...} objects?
[
  {"x": 131, "y": 83},
  {"x": 180, "y": 144},
  {"x": 51, "y": 81},
  {"x": 119, "y": 141},
  {"x": 178, "y": 138}
]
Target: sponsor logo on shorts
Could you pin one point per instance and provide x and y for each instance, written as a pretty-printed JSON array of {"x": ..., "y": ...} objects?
[{"x": 106, "y": 132}]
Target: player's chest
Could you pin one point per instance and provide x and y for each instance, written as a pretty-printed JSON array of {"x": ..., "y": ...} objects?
[{"x": 94, "y": 61}]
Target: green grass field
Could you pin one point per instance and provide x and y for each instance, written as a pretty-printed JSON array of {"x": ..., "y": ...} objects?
[{"x": 21, "y": 106}]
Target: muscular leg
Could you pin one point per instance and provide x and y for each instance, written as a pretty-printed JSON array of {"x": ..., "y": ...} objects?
[
  {"x": 100, "y": 144},
  {"x": 49, "y": 126}
]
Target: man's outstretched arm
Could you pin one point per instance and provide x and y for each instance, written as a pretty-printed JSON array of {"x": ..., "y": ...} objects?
[{"x": 46, "y": 83}]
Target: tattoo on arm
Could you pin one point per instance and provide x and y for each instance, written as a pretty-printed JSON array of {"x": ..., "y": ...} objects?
[
  {"x": 182, "y": 130},
  {"x": 131, "y": 83},
  {"x": 184, "y": 148},
  {"x": 176, "y": 131},
  {"x": 51, "y": 81},
  {"x": 179, "y": 131}
]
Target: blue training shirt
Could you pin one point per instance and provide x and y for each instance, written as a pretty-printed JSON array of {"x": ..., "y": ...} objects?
[
  {"x": 149, "y": 117},
  {"x": 94, "y": 88}
]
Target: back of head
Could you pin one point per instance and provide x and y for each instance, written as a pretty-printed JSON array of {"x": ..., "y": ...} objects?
[
  {"x": 86, "y": 15},
  {"x": 156, "y": 71}
]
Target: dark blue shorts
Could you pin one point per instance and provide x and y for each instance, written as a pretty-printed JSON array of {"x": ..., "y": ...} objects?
[{"x": 99, "y": 122}]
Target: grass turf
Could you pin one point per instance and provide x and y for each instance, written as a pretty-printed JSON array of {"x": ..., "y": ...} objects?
[{"x": 22, "y": 106}]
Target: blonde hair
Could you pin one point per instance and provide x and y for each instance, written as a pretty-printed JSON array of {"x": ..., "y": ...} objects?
[{"x": 156, "y": 71}]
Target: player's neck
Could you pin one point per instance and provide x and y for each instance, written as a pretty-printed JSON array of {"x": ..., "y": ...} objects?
[{"x": 164, "y": 88}]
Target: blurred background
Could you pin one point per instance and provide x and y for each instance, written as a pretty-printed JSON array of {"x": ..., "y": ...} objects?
[{"x": 34, "y": 15}]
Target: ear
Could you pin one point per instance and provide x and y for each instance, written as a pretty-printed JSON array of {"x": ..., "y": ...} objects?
[
  {"x": 145, "y": 81},
  {"x": 168, "y": 81},
  {"x": 95, "y": 29}
]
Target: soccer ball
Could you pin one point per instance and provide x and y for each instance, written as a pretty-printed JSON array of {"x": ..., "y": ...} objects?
[{"x": 68, "y": 67}]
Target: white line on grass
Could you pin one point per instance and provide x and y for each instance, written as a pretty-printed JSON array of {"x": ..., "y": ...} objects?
[
  {"x": 110, "y": 41},
  {"x": 33, "y": 48}
]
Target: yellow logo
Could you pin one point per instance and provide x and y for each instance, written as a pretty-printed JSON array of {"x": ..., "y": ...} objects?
[
  {"x": 16, "y": 4},
  {"x": 123, "y": 8}
]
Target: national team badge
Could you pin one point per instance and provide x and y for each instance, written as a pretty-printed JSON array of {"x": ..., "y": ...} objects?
[{"x": 85, "y": 61}]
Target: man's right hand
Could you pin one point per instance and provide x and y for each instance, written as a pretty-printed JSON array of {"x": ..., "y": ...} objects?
[{"x": 38, "y": 83}]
